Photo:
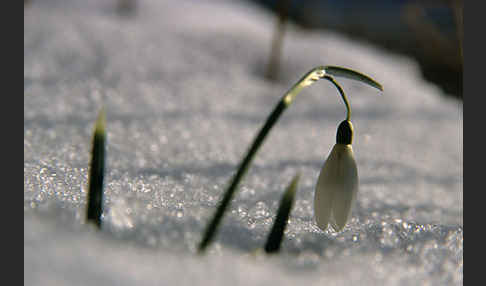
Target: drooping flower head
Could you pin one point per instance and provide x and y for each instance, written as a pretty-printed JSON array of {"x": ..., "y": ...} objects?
[
  {"x": 339, "y": 172},
  {"x": 337, "y": 185}
]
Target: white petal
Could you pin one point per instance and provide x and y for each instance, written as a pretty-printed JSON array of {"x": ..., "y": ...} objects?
[
  {"x": 336, "y": 188},
  {"x": 345, "y": 196},
  {"x": 322, "y": 203},
  {"x": 325, "y": 189}
]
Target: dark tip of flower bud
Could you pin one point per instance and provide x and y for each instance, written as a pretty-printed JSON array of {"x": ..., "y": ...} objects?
[{"x": 345, "y": 133}]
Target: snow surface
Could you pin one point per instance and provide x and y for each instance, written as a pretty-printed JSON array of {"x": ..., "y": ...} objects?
[{"x": 182, "y": 85}]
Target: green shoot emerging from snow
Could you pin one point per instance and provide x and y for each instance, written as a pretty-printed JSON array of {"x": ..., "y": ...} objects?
[
  {"x": 321, "y": 72},
  {"x": 96, "y": 174},
  {"x": 275, "y": 238}
]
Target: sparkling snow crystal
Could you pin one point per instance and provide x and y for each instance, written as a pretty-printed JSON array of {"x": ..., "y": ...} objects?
[{"x": 183, "y": 89}]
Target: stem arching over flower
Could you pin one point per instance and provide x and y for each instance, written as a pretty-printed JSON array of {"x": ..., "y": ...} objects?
[
  {"x": 309, "y": 78},
  {"x": 343, "y": 95},
  {"x": 338, "y": 182}
]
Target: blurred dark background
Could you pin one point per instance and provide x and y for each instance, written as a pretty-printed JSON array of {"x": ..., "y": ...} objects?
[{"x": 430, "y": 31}]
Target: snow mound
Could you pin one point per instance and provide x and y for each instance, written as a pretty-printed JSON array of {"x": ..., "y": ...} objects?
[{"x": 183, "y": 89}]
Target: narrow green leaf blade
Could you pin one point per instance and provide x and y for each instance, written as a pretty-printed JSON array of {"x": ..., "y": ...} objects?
[
  {"x": 275, "y": 238},
  {"x": 213, "y": 226},
  {"x": 352, "y": 74},
  {"x": 96, "y": 174},
  {"x": 309, "y": 78}
]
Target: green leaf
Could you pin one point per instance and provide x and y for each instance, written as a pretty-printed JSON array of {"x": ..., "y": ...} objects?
[
  {"x": 309, "y": 78},
  {"x": 351, "y": 74},
  {"x": 96, "y": 174},
  {"x": 242, "y": 169},
  {"x": 275, "y": 238}
]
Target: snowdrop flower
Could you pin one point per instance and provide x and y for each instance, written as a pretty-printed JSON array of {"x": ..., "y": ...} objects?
[{"x": 337, "y": 184}]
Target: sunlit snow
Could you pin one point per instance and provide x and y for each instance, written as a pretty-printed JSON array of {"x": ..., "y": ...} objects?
[{"x": 183, "y": 89}]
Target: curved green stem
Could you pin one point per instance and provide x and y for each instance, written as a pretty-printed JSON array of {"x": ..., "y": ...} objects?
[
  {"x": 309, "y": 78},
  {"x": 343, "y": 96}
]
